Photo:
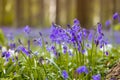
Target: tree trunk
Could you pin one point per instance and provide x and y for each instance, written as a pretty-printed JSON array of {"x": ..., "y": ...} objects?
[
  {"x": 57, "y": 12},
  {"x": 29, "y": 13},
  {"x": 85, "y": 12},
  {"x": 68, "y": 9},
  {"x": 19, "y": 13},
  {"x": 3, "y": 3}
]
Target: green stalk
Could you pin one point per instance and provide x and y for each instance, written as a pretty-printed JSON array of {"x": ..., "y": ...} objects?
[
  {"x": 28, "y": 62},
  {"x": 77, "y": 62},
  {"x": 56, "y": 66},
  {"x": 41, "y": 64},
  {"x": 91, "y": 58}
]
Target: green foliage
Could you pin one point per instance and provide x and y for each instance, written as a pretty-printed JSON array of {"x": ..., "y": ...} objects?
[
  {"x": 2, "y": 38},
  {"x": 31, "y": 68}
]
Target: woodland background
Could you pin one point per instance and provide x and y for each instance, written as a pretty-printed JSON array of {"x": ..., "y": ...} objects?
[{"x": 41, "y": 13}]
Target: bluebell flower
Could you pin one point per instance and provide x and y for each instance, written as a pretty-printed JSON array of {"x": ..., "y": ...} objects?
[
  {"x": 99, "y": 28},
  {"x": 27, "y": 29},
  {"x": 96, "y": 77},
  {"x": 57, "y": 34},
  {"x": 7, "y": 55},
  {"x": 76, "y": 21},
  {"x": 64, "y": 49},
  {"x": 115, "y": 15},
  {"x": 106, "y": 53},
  {"x": 64, "y": 74},
  {"x": 82, "y": 69},
  {"x": 83, "y": 51},
  {"x": 13, "y": 60},
  {"x": 107, "y": 23},
  {"x": 79, "y": 47},
  {"x": 24, "y": 50},
  {"x": 85, "y": 32},
  {"x": 4, "y": 53},
  {"x": 90, "y": 37},
  {"x": 12, "y": 46},
  {"x": 53, "y": 49},
  {"x": 40, "y": 33},
  {"x": 76, "y": 26},
  {"x": 10, "y": 37},
  {"x": 99, "y": 40},
  {"x": 38, "y": 42},
  {"x": 70, "y": 53}
]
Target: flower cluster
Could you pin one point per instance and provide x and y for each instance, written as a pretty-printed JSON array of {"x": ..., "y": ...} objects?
[{"x": 69, "y": 51}]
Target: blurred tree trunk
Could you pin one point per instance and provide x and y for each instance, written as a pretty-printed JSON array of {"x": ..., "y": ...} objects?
[
  {"x": 85, "y": 12},
  {"x": 114, "y": 6},
  {"x": 41, "y": 11},
  {"x": 106, "y": 10},
  {"x": 3, "y": 4},
  {"x": 117, "y": 6},
  {"x": 57, "y": 12},
  {"x": 68, "y": 10},
  {"x": 30, "y": 13},
  {"x": 0, "y": 11},
  {"x": 19, "y": 13}
]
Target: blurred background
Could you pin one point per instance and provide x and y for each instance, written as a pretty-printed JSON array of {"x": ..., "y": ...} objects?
[{"x": 41, "y": 13}]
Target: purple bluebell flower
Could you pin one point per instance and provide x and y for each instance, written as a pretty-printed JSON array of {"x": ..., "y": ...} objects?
[
  {"x": 24, "y": 50},
  {"x": 107, "y": 23},
  {"x": 57, "y": 34},
  {"x": 76, "y": 26},
  {"x": 90, "y": 37},
  {"x": 53, "y": 49},
  {"x": 64, "y": 74},
  {"x": 10, "y": 36},
  {"x": 82, "y": 69},
  {"x": 38, "y": 42},
  {"x": 115, "y": 15},
  {"x": 83, "y": 51},
  {"x": 102, "y": 42},
  {"x": 64, "y": 49},
  {"x": 40, "y": 33},
  {"x": 79, "y": 36},
  {"x": 4, "y": 53},
  {"x": 13, "y": 60},
  {"x": 12, "y": 46},
  {"x": 96, "y": 77},
  {"x": 99, "y": 28},
  {"x": 76, "y": 21},
  {"x": 70, "y": 53},
  {"x": 106, "y": 53},
  {"x": 85, "y": 32},
  {"x": 99, "y": 40},
  {"x": 79, "y": 47},
  {"x": 7, "y": 55},
  {"x": 27, "y": 29}
]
